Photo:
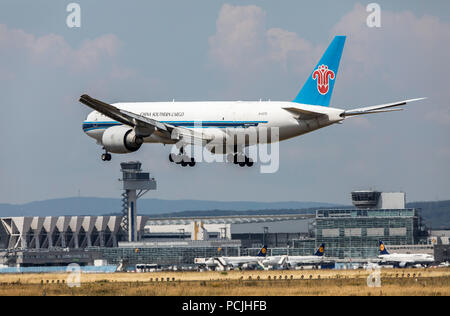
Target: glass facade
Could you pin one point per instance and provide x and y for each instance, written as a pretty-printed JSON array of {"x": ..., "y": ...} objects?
[
  {"x": 355, "y": 233},
  {"x": 304, "y": 247},
  {"x": 164, "y": 255},
  {"x": 301, "y": 247},
  {"x": 272, "y": 240}
]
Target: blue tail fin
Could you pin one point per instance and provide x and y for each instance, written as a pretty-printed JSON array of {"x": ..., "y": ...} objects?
[
  {"x": 320, "y": 251},
  {"x": 382, "y": 248},
  {"x": 319, "y": 86},
  {"x": 263, "y": 251}
]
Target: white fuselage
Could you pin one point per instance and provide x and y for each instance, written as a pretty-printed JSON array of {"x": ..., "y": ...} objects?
[
  {"x": 292, "y": 260},
  {"x": 406, "y": 259},
  {"x": 233, "y": 261},
  {"x": 220, "y": 120}
]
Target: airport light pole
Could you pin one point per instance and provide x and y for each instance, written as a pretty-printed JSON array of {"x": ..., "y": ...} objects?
[{"x": 265, "y": 232}]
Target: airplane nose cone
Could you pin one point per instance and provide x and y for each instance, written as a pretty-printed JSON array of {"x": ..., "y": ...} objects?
[
  {"x": 85, "y": 126},
  {"x": 92, "y": 129},
  {"x": 89, "y": 126}
]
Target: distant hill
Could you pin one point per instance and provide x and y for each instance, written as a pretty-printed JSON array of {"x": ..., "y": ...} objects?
[
  {"x": 103, "y": 206},
  {"x": 310, "y": 210},
  {"x": 435, "y": 214}
]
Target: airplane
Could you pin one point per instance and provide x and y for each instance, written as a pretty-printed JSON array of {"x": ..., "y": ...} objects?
[
  {"x": 403, "y": 260},
  {"x": 225, "y": 127},
  {"x": 318, "y": 257},
  {"x": 234, "y": 262},
  {"x": 294, "y": 261}
]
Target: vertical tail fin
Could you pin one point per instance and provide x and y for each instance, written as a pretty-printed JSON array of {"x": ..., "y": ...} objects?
[
  {"x": 382, "y": 248},
  {"x": 320, "y": 251},
  {"x": 319, "y": 85},
  {"x": 263, "y": 251}
]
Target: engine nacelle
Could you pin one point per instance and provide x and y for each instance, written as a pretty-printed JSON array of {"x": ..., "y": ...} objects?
[
  {"x": 121, "y": 140},
  {"x": 403, "y": 264}
]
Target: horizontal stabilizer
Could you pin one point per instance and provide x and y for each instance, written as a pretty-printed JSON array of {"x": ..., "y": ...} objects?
[
  {"x": 378, "y": 108},
  {"x": 371, "y": 112},
  {"x": 303, "y": 114}
]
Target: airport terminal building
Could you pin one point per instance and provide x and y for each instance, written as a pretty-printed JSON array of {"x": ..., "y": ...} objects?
[
  {"x": 355, "y": 233},
  {"x": 349, "y": 234}
]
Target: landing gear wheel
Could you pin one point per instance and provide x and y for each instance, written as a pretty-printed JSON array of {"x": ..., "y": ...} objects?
[
  {"x": 249, "y": 162},
  {"x": 182, "y": 159},
  {"x": 240, "y": 159},
  {"x": 106, "y": 157},
  {"x": 172, "y": 157},
  {"x": 185, "y": 158}
]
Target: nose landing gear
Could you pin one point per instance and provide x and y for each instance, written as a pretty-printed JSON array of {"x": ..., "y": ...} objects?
[{"x": 106, "y": 156}]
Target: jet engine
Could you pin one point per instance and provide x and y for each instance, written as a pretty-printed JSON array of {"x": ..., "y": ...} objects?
[
  {"x": 121, "y": 140},
  {"x": 403, "y": 264}
]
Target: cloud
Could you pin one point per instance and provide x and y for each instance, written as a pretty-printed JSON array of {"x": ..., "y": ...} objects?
[
  {"x": 243, "y": 44},
  {"x": 405, "y": 45},
  {"x": 240, "y": 38},
  {"x": 41, "y": 80},
  {"x": 405, "y": 57},
  {"x": 53, "y": 51},
  {"x": 285, "y": 46}
]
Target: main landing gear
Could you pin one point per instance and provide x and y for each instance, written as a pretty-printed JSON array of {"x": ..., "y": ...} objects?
[
  {"x": 240, "y": 159},
  {"x": 182, "y": 159}
]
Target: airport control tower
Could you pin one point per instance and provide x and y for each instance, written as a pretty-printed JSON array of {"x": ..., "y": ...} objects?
[
  {"x": 135, "y": 184},
  {"x": 369, "y": 199}
]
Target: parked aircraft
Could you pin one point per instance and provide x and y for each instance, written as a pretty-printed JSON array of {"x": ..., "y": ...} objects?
[
  {"x": 293, "y": 261},
  {"x": 403, "y": 260},
  {"x": 233, "y": 262}
]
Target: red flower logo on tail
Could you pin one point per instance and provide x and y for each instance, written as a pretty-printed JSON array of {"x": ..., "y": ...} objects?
[{"x": 323, "y": 75}]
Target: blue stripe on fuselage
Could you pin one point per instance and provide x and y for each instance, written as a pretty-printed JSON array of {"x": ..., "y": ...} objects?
[{"x": 89, "y": 126}]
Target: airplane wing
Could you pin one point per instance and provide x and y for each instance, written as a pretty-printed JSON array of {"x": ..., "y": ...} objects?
[
  {"x": 222, "y": 261},
  {"x": 144, "y": 126},
  {"x": 282, "y": 260},
  {"x": 378, "y": 108}
]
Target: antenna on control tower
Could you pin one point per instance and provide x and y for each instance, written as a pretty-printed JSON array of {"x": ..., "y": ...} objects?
[{"x": 135, "y": 184}]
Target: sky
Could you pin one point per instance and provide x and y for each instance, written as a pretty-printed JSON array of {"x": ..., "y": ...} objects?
[{"x": 224, "y": 50}]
